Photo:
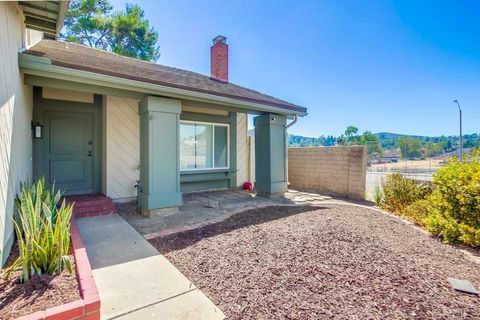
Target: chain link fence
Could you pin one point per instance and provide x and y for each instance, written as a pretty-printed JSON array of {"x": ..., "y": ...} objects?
[{"x": 418, "y": 170}]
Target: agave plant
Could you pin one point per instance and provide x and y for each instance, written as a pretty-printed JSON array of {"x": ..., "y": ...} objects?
[{"x": 43, "y": 232}]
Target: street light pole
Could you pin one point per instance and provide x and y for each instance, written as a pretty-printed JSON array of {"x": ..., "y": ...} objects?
[{"x": 461, "y": 136}]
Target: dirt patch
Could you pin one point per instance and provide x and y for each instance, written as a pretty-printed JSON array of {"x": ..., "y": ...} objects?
[
  {"x": 342, "y": 262},
  {"x": 40, "y": 293}
]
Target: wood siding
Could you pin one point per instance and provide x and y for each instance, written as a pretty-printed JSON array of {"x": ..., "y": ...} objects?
[
  {"x": 122, "y": 147},
  {"x": 242, "y": 151},
  {"x": 15, "y": 117}
]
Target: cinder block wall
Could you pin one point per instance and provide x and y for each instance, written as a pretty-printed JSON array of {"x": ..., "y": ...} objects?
[{"x": 338, "y": 171}]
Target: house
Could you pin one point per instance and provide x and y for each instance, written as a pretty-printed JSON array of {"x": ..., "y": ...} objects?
[
  {"x": 390, "y": 156},
  {"x": 95, "y": 122}
]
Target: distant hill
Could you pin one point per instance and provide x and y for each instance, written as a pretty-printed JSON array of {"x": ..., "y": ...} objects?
[
  {"x": 390, "y": 135},
  {"x": 389, "y": 141}
]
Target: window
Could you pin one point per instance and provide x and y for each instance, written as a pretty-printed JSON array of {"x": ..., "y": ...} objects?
[{"x": 204, "y": 146}]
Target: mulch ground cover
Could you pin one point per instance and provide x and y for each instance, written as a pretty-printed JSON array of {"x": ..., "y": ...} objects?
[
  {"x": 39, "y": 293},
  {"x": 331, "y": 262}
]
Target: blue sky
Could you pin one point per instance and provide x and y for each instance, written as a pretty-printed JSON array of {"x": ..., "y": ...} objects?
[{"x": 379, "y": 65}]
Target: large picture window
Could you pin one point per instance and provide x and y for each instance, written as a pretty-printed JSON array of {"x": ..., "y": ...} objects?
[{"x": 204, "y": 146}]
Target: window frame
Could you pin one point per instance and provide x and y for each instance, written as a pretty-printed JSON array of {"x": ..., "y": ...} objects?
[{"x": 213, "y": 124}]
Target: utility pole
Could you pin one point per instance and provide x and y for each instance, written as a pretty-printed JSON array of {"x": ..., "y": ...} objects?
[{"x": 461, "y": 136}]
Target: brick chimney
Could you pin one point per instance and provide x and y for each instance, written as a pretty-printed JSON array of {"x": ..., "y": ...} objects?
[{"x": 219, "y": 59}]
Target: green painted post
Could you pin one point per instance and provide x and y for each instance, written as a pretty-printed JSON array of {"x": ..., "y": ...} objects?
[
  {"x": 159, "y": 153},
  {"x": 270, "y": 154}
]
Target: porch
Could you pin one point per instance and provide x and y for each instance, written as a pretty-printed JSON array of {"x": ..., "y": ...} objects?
[
  {"x": 202, "y": 208},
  {"x": 93, "y": 143}
]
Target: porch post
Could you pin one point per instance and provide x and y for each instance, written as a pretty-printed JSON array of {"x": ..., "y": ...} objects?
[
  {"x": 270, "y": 154},
  {"x": 159, "y": 154}
]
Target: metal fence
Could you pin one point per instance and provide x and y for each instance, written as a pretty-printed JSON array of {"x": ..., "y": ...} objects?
[{"x": 418, "y": 170}]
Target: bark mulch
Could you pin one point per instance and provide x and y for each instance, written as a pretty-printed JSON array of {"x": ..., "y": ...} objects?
[
  {"x": 334, "y": 262},
  {"x": 39, "y": 293}
]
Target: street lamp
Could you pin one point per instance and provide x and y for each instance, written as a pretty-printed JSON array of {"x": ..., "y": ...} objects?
[{"x": 461, "y": 137}]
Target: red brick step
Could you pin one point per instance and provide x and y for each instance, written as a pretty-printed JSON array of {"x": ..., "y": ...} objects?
[{"x": 91, "y": 205}]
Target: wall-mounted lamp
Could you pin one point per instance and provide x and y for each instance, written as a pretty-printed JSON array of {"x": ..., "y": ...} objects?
[{"x": 37, "y": 129}]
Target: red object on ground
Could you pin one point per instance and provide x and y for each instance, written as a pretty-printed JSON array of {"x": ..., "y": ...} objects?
[{"x": 247, "y": 186}]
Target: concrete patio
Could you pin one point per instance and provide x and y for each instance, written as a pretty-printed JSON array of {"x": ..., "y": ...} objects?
[
  {"x": 134, "y": 280},
  {"x": 203, "y": 208}
]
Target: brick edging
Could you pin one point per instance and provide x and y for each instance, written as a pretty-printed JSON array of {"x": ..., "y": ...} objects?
[{"x": 89, "y": 306}]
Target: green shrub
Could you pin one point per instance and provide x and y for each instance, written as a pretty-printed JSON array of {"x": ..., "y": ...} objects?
[
  {"x": 418, "y": 211},
  {"x": 448, "y": 208},
  {"x": 449, "y": 229},
  {"x": 378, "y": 194},
  {"x": 43, "y": 232},
  {"x": 399, "y": 192},
  {"x": 458, "y": 190},
  {"x": 456, "y": 202}
]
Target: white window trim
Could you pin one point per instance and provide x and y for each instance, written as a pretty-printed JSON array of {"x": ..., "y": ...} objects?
[{"x": 213, "y": 146}]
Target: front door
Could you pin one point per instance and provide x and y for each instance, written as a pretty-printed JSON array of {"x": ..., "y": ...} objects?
[{"x": 68, "y": 153}]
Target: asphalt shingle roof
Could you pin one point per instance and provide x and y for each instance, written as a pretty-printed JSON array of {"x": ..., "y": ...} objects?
[{"x": 81, "y": 57}]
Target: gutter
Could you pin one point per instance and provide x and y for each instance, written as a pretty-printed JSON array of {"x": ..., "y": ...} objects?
[{"x": 39, "y": 66}]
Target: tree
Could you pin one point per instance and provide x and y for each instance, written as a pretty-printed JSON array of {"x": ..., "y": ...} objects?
[
  {"x": 350, "y": 137},
  {"x": 409, "y": 147},
  {"x": 127, "y": 32},
  {"x": 372, "y": 142}
]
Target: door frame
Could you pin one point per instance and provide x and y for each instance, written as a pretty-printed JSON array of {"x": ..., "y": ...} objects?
[{"x": 41, "y": 104}]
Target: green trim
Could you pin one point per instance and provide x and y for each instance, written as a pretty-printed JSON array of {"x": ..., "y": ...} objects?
[
  {"x": 201, "y": 117},
  {"x": 33, "y": 66},
  {"x": 159, "y": 153},
  {"x": 270, "y": 154},
  {"x": 204, "y": 185},
  {"x": 37, "y": 81},
  {"x": 205, "y": 176},
  {"x": 156, "y": 104},
  {"x": 212, "y": 178},
  {"x": 204, "y": 181},
  {"x": 41, "y": 105},
  {"x": 233, "y": 150}
]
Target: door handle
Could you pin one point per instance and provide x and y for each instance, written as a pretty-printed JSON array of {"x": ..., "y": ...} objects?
[{"x": 89, "y": 153}]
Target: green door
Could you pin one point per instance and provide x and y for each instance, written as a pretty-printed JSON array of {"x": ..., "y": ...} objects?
[{"x": 69, "y": 153}]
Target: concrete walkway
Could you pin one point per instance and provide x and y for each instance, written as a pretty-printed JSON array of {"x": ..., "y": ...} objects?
[{"x": 134, "y": 280}]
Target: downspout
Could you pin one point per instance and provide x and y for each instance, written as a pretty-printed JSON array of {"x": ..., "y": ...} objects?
[{"x": 295, "y": 119}]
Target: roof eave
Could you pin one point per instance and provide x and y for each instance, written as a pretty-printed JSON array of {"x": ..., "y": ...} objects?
[
  {"x": 40, "y": 66},
  {"x": 62, "y": 13},
  {"x": 45, "y": 16}
]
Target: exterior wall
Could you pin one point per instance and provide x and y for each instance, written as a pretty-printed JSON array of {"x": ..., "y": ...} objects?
[
  {"x": 122, "y": 147},
  {"x": 32, "y": 37},
  {"x": 251, "y": 159},
  {"x": 242, "y": 149},
  {"x": 67, "y": 95},
  {"x": 121, "y": 154},
  {"x": 15, "y": 108},
  {"x": 333, "y": 170}
]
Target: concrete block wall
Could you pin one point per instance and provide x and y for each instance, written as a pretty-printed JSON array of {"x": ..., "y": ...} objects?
[{"x": 338, "y": 171}]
